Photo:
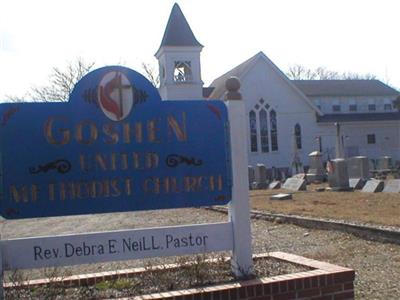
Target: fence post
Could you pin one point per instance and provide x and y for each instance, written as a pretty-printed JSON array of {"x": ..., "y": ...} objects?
[{"x": 239, "y": 209}]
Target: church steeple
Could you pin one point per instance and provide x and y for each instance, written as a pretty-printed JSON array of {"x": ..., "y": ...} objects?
[
  {"x": 179, "y": 60},
  {"x": 178, "y": 31}
]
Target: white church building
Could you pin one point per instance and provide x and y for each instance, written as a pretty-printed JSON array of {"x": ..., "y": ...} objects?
[{"x": 287, "y": 119}]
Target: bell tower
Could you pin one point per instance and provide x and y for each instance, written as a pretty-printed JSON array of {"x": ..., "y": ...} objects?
[{"x": 179, "y": 60}]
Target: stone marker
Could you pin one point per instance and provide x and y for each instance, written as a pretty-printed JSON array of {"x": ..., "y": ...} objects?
[
  {"x": 261, "y": 176},
  {"x": 384, "y": 163},
  {"x": 251, "y": 176},
  {"x": 392, "y": 186},
  {"x": 338, "y": 177},
  {"x": 358, "y": 167},
  {"x": 316, "y": 172},
  {"x": 281, "y": 197},
  {"x": 373, "y": 186},
  {"x": 295, "y": 184},
  {"x": 274, "y": 185},
  {"x": 357, "y": 183}
]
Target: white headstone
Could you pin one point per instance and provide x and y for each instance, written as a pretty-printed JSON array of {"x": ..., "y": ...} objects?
[
  {"x": 338, "y": 177},
  {"x": 261, "y": 176},
  {"x": 358, "y": 167},
  {"x": 316, "y": 172}
]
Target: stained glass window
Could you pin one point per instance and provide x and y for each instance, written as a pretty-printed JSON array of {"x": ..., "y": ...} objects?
[
  {"x": 253, "y": 131},
  {"x": 274, "y": 130},
  {"x": 297, "y": 134},
  {"x": 264, "y": 131}
]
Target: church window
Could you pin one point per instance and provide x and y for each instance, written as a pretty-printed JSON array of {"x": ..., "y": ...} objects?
[
  {"x": 183, "y": 71},
  {"x": 264, "y": 131},
  {"x": 274, "y": 130},
  {"x": 387, "y": 106},
  {"x": 371, "y": 138},
  {"x": 353, "y": 107},
  {"x": 263, "y": 128},
  {"x": 297, "y": 134},
  {"x": 253, "y": 131},
  {"x": 336, "y": 108}
]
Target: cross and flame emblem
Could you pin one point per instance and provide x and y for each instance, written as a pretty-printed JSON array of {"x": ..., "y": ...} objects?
[{"x": 115, "y": 94}]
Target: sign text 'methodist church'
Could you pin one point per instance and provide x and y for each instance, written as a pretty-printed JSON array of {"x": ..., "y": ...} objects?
[{"x": 286, "y": 119}]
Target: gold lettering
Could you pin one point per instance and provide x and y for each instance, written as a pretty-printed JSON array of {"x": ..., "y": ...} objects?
[
  {"x": 51, "y": 191},
  {"x": 174, "y": 127},
  {"x": 34, "y": 192},
  {"x": 152, "y": 130},
  {"x": 21, "y": 194},
  {"x": 115, "y": 190},
  {"x": 126, "y": 132},
  {"x": 93, "y": 133},
  {"x": 151, "y": 160},
  {"x": 48, "y": 132},
  {"x": 190, "y": 184},
  {"x": 152, "y": 185},
  {"x": 128, "y": 186},
  {"x": 219, "y": 183},
  {"x": 136, "y": 161},
  {"x": 82, "y": 163},
  {"x": 100, "y": 161},
  {"x": 113, "y": 161},
  {"x": 124, "y": 161},
  {"x": 109, "y": 131}
]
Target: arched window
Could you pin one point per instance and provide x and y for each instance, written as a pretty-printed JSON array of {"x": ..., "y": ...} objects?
[
  {"x": 297, "y": 135},
  {"x": 253, "y": 131},
  {"x": 274, "y": 130},
  {"x": 264, "y": 131},
  {"x": 263, "y": 127}
]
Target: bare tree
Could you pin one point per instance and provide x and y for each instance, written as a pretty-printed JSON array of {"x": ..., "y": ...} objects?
[
  {"x": 299, "y": 72},
  {"x": 61, "y": 83},
  {"x": 151, "y": 74}
]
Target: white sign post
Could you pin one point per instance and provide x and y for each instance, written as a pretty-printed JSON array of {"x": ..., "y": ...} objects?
[{"x": 239, "y": 211}]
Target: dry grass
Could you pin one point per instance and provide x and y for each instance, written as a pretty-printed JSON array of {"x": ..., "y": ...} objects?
[{"x": 375, "y": 208}]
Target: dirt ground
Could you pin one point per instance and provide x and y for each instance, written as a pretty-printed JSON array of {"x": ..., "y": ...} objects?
[
  {"x": 373, "y": 208},
  {"x": 377, "y": 264}
]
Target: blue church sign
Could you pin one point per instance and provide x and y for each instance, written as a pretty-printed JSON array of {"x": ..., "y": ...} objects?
[{"x": 115, "y": 146}]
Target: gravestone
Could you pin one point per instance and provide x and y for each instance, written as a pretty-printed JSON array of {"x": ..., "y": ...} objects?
[
  {"x": 358, "y": 167},
  {"x": 338, "y": 178},
  {"x": 316, "y": 172},
  {"x": 357, "y": 183},
  {"x": 274, "y": 174},
  {"x": 295, "y": 184},
  {"x": 281, "y": 197},
  {"x": 373, "y": 186},
  {"x": 392, "y": 186},
  {"x": 252, "y": 176},
  {"x": 384, "y": 163},
  {"x": 261, "y": 176},
  {"x": 274, "y": 185}
]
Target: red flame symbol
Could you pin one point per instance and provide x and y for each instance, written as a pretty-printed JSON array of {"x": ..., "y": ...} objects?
[{"x": 107, "y": 101}]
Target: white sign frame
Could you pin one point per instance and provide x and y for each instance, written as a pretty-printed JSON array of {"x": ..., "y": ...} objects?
[{"x": 233, "y": 235}]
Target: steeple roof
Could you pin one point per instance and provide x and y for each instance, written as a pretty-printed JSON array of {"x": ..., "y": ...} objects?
[{"x": 178, "y": 32}]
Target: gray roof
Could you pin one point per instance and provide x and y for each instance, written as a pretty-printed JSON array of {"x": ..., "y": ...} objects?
[
  {"x": 321, "y": 88},
  {"x": 178, "y": 32},
  {"x": 359, "y": 117},
  {"x": 207, "y": 91}
]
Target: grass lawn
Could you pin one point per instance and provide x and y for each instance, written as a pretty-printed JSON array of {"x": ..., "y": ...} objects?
[{"x": 375, "y": 208}]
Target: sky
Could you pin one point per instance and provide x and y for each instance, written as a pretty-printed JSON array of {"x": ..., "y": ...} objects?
[{"x": 341, "y": 35}]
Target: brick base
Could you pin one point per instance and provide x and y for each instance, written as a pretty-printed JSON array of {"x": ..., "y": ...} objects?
[{"x": 324, "y": 282}]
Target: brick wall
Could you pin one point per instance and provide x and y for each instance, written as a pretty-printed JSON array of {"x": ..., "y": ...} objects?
[{"x": 324, "y": 282}]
